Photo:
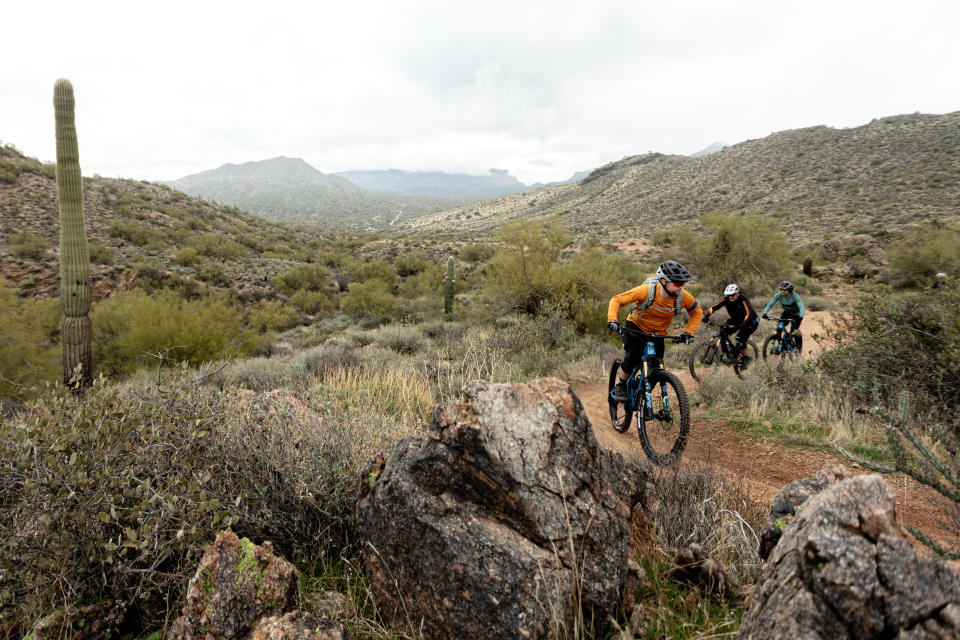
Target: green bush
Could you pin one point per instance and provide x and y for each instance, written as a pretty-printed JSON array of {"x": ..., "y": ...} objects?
[
  {"x": 750, "y": 250},
  {"x": 892, "y": 341},
  {"x": 311, "y": 302},
  {"x": 215, "y": 274},
  {"x": 324, "y": 358},
  {"x": 28, "y": 246},
  {"x": 101, "y": 254},
  {"x": 28, "y": 356},
  {"x": 401, "y": 338},
  {"x": 187, "y": 257},
  {"x": 370, "y": 301},
  {"x": 134, "y": 233},
  {"x": 409, "y": 264},
  {"x": 273, "y": 315},
  {"x": 110, "y": 498},
  {"x": 131, "y": 324},
  {"x": 476, "y": 252},
  {"x": 916, "y": 258},
  {"x": 216, "y": 245},
  {"x": 8, "y": 172},
  {"x": 309, "y": 277},
  {"x": 372, "y": 270}
]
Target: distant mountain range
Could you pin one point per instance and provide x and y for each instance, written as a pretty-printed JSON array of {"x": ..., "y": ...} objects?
[
  {"x": 711, "y": 148},
  {"x": 433, "y": 184},
  {"x": 818, "y": 180},
  {"x": 289, "y": 189}
]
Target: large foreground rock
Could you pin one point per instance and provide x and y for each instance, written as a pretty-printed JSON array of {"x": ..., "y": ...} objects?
[
  {"x": 504, "y": 517},
  {"x": 843, "y": 570}
]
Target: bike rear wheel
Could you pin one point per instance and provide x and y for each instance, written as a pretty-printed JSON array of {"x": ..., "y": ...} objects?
[
  {"x": 620, "y": 415},
  {"x": 663, "y": 435},
  {"x": 704, "y": 361}
]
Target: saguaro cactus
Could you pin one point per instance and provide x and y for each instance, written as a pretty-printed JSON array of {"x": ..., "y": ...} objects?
[
  {"x": 807, "y": 265},
  {"x": 74, "y": 255},
  {"x": 448, "y": 289}
]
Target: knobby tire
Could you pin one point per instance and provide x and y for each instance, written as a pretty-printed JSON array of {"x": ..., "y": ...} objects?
[
  {"x": 620, "y": 416},
  {"x": 664, "y": 440}
]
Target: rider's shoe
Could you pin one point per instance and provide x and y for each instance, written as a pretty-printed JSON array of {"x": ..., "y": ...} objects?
[
  {"x": 744, "y": 362},
  {"x": 620, "y": 392}
]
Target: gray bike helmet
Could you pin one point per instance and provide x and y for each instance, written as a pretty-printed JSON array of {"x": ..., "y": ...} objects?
[
  {"x": 786, "y": 284},
  {"x": 673, "y": 271},
  {"x": 731, "y": 289}
]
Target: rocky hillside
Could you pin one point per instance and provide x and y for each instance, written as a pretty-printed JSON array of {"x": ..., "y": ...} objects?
[
  {"x": 140, "y": 232},
  {"x": 866, "y": 179},
  {"x": 289, "y": 189}
]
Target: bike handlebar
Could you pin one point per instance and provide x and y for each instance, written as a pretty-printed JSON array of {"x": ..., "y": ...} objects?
[
  {"x": 650, "y": 335},
  {"x": 721, "y": 324}
]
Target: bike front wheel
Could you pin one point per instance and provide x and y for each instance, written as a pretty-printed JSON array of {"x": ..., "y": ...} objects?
[
  {"x": 620, "y": 415},
  {"x": 773, "y": 351},
  {"x": 752, "y": 352},
  {"x": 664, "y": 431},
  {"x": 704, "y": 361}
]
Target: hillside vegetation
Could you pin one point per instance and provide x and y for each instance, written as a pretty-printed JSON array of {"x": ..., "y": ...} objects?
[
  {"x": 872, "y": 178},
  {"x": 290, "y": 190}
]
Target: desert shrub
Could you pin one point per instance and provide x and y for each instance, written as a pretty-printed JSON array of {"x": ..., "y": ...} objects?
[
  {"x": 130, "y": 324},
  {"x": 214, "y": 273},
  {"x": 892, "y": 341},
  {"x": 408, "y": 264},
  {"x": 8, "y": 172},
  {"x": 311, "y": 302},
  {"x": 310, "y": 277},
  {"x": 370, "y": 301},
  {"x": 27, "y": 246},
  {"x": 110, "y": 498},
  {"x": 749, "y": 250},
  {"x": 922, "y": 252},
  {"x": 816, "y": 303},
  {"x": 133, "y": 233},
  {"x": 367, "y": 270},
  {"x": 528, "y": 275},
  {"x": 273, "y": 315},
  {"x": 258, "y": 374},
  {"x": 806, "y": 284},
  {"x": 101, "y": 253},
  {"x": 187, "y": 257},
  {"x": 152, "y": 277},
  {"x": 322, "y": 358},
  {"x": 442, "y": 331},
  {"x": 476, "y": 252},
  {"x": 216, "y": 245},
  {"x": 28, "y": 355},
  {"x": 401, "y": 338}
]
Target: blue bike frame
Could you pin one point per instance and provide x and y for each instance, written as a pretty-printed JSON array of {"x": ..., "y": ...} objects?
[
  {"x": 640, "y": 379},
  {"x": 786, "y": 345}
]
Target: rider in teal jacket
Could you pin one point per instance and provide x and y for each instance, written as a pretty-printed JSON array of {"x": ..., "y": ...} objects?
[{"x": 793, "y": 308}]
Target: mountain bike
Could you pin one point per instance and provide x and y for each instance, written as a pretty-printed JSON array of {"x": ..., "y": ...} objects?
[
  {"x": 785, "y": 347},
  {"x": 662, "y": 426},
  {"x": 706, "y": 357}
]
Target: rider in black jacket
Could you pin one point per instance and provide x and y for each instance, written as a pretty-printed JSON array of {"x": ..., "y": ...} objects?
[{"x": 741, "y": 314}]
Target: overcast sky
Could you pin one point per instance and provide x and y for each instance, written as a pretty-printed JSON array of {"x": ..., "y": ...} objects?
[{"x": 542, "y": 89}]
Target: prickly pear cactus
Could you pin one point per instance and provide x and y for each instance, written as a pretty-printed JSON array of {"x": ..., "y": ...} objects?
[
  {"x": 74, "y": 255},
  {"x": 448, "y": 289}
]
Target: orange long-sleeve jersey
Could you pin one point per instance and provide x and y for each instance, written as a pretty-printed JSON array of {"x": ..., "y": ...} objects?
[{"x": 656, "y": 318}]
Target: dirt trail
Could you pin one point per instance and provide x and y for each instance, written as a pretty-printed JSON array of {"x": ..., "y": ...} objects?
[{"x": 764, "y": 467}]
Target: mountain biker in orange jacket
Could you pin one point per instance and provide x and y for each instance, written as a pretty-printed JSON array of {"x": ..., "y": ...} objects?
[{"x": 653, "y": 318}]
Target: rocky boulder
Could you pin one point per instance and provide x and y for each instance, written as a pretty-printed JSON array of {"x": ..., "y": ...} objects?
[
  {"x": 503, "y": 518},
  {"x": 788, "y": 499},
  {"x": 243, "y": 590},
  {"x": 842, "y": 569}
]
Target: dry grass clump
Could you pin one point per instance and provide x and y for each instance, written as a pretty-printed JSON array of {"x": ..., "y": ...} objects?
[{"x": 698, "y": 505}]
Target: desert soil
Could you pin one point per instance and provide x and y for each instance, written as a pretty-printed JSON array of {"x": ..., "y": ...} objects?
[{"x": 761, "y": 466}]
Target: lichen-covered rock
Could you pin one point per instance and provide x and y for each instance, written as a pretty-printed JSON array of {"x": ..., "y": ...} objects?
[
  {"x": 503, "y": 517},
  {"x": 237, "y": 583},
  {"x": 298, "y": 625},
  {"x": 788, "y": 499},
  {"x": 843, "y": 570},
  {"x": 693, "y": 565}
]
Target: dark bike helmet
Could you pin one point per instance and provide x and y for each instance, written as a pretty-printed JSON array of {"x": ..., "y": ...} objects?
[
  {"x": 786, "y": 284},
  {"x": 673, "y": 271}
]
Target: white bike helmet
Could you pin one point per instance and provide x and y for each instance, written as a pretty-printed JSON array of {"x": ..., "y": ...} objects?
[
  {"x": 941, "y": 275},
  {"x": 731, "y": 289}
]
